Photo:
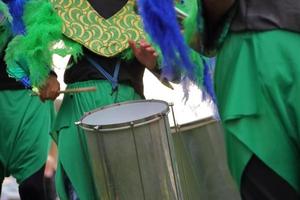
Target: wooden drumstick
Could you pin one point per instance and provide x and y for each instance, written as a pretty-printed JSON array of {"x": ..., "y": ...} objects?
[
  {"x": 69, "y": 91},
  {"x": 77, "y": 90}
]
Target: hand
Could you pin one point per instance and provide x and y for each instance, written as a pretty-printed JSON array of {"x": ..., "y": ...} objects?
[
  {"x": 50, "y": 90},
  {"x": 50, "y": 167},
  {"x": 145, "y": 53}
]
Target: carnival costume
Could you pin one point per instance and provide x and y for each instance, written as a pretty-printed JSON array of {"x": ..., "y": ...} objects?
[
  {"x": 256, "y": 83},
  {"x": 100, "y": 31},
  {"x": 24, "y": 132}
]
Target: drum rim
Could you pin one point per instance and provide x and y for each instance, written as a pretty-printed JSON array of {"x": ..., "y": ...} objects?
[{"x": 125, "y": 125}]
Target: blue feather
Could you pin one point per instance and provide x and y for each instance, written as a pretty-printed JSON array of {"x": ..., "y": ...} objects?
[
  {"x": 26, "y": 81},
  {"x": 159, "y": 18},
  {"x": 207, "y": 79},
  {"x": 16, "y": 9}
]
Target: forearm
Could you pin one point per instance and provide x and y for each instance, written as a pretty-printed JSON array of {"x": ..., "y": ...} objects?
[
  {"x": 53, "y": 151},
  {"x": 216, "y": 9}
]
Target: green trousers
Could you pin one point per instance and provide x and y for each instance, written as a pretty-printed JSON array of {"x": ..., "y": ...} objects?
[
  {"x": 71, "y": 140},
  {"x": 257, "y": 82},
  {"x": 25, "y": 124}
]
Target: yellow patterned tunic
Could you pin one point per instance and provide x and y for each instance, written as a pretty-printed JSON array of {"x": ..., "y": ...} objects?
[{"x": 106, "y": 37}]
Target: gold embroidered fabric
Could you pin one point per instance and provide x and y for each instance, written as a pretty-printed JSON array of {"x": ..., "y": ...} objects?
[{"x": 106, "y": 37}]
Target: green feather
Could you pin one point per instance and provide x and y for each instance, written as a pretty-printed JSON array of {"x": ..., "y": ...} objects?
[
  {"x": 127, "y": 54},
  {"x": 4, "y": 11},
  {"x": 5, "y": 32},
  {"x": 33, "y": 51},
  {"x": 190, "y": 23},
  {"x": 69, "y": 47},
  {"x": 199, "y": 68}
]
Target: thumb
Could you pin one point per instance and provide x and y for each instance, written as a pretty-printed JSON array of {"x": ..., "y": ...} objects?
[{"x": 133, "y": 46}]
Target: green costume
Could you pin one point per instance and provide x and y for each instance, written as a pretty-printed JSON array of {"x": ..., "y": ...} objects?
[
  {"x": 256, "y": 84},
  {"x": 24, "y": 133},
  {"x": 29, "y": 53},
  {"x": 106, "y": 37},
  {"x": 258, "y": 101},
  {"x": 103, "y": 39},
  {"x": 25, "y": 121},
  {"x": 71, "y": 140}
]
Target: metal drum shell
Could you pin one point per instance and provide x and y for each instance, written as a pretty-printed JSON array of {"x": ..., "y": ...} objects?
[
  {"x": 133, "y": 160},
  {"x": 202, "y": 163}
]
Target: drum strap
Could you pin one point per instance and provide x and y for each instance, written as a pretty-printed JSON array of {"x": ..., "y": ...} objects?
[{"x": 112, "y": 79}]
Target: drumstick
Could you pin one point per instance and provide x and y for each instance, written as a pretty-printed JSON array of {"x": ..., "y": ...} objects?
[
  {"x": 77, "y": 90},
  {"x": 68, "y": 91}
]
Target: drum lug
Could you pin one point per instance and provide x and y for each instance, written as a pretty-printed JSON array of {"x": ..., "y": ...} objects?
[{"x": 77, "y": 123}]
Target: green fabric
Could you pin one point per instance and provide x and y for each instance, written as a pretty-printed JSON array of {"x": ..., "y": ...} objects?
[
  {"x": 71, "y": 156},
  {"x": 191, "y": 22},
  {"x": 257, "y": 86},
  {"x": 25, "y": 126},
  {"x": 31, "y": 54}
]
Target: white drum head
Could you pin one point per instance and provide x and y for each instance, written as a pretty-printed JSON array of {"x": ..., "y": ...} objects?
[{"x": 125, "y": 113}]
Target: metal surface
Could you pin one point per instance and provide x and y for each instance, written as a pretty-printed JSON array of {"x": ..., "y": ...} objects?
[
  {"x": 201, "y": 159},
  {"x": 136, "y": 162},
  {"x": 123, "y": 114}
]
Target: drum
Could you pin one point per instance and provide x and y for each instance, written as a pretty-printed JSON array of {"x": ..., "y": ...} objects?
[
  {"x": 131, "y": 153},
  {"x": 202, "y": 163}
]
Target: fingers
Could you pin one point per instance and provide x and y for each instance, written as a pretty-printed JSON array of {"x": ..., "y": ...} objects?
[
  {"x": 144, "y": 44},
  {"x": 145, "y": 53},
  {"x": 50, "y": 90},
  {"x": 144, "y": 47},
  {"x": 150, "y": 49},
  {"x": 132, "y": 44},
  {"x": 48, "y": 94}
]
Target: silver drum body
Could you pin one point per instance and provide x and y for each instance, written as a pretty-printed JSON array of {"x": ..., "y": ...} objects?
[
  {"x": 131, "y": 151},
  {"x": 202, "y": 163}
]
